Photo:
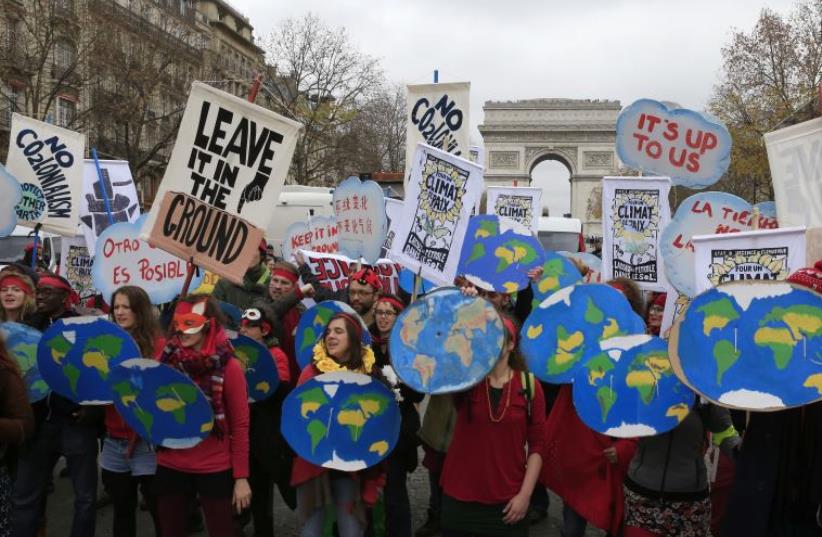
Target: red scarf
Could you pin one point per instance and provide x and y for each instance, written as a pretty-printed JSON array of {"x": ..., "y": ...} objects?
[{"x": 205, "y": 367}]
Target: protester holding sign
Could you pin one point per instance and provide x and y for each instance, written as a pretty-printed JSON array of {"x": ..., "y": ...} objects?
[
  {"x": 254, "y": 283},
  {"x": 216, "y": 469},
  {"x": 340, "y": 349},
  {"x": 127, "y": 461},
  {"x": 500, "y": 420}
]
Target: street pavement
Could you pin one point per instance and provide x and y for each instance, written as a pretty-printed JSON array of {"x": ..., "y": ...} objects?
[{"x": 60, "y": 510}]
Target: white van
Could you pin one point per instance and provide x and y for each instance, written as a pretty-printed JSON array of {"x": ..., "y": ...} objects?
[
  {"x": 297, "y": 204},
  {"x": 13, "y": 246},
  {"x": 561, "y": 234}
]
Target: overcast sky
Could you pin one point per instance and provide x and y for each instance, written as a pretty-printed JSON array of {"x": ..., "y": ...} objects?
[{"x": 523, "y": 49}]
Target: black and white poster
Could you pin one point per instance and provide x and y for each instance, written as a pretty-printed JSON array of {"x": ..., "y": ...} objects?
[{"x": 522, "y": 204}]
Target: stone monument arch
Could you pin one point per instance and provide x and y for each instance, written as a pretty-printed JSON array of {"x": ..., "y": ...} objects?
[{"x": 579, "y": 133}]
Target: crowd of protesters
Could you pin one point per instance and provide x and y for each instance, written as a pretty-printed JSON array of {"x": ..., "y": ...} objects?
[{"x": 491, "y": 452}]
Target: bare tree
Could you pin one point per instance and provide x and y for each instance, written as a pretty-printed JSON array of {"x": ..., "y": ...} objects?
[
  {"x": 770, "y": 78},
  {"x": 328, "y": 81}
]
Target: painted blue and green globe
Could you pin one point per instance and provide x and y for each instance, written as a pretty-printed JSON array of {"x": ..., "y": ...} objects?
[
  {"x": 342, "y": 420},
  {"x": 259, "y": 367},
  {"x": 21, "y": 342}
]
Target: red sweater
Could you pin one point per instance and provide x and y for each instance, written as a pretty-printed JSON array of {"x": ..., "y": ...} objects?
[
  {"x": 576, "y": 469},
  {"x": 215, "y": 454},
  {"x": 486, "y": 461},
  {"x": 283, "y": 367},
  {"x": 116, "y": 426},
  {"x": 289, "y": 328}
]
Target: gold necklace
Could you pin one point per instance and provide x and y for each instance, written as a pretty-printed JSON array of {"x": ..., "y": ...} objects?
[{"x": 506, "y": 387}]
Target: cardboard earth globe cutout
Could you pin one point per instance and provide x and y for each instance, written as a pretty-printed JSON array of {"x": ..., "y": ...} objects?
[
  {"x": 565, "y": 330},
  {"x": 312, "y": 325},
  {"x": 21, "y": 342},
  {"x": 751, "y": 346},
  {"x": 259, "y": 367},
  {"x": 498, "y": 253},
  {"x": 342, "y": 420},
  {"x": 557, "y": 272},
  {"x": 446, "y": 341},
  {"x": 161, "y": 404},
  {"x": 629, "y": 389},
  {"x": 76, "y": 356}
]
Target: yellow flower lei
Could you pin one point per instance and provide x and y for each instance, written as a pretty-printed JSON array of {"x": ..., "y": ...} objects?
[{"x": 326, "y": 364}]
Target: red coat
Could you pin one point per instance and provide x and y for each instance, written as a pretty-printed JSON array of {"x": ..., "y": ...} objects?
[{"x": 576, "y": 470}]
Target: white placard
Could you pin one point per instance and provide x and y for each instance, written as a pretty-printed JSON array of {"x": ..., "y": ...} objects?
[
  {"x": 119, "y": 191},
  {"x": 521, "y": 204}
]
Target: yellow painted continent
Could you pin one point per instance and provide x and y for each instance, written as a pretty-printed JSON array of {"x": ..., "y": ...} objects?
[
  {"x": 206, "y": 427},
  {"x": 658, "y": 364},
  {"x": 639, "y": 378},
  {"x": 380, "y": 447},
  {"x": 369, "y": 407},
  {"x": 307, "y": 407},
  {"x": 425, "y": 366},
  {"x": 128, "y": 399},
  {"x": 714, "y": 322},
  {"x": 799, "y": 323},
  {"x": 814, "y": 381},
  {"x": 774, "y": 336},
  {"x": 457, "y": 343},
  {"x": 263, "y": 386},
  {"x": 547, "y": 284},
  {"x": 97, "y": 360},
  {"x": 679, "y": 411},
  {"x": 611, "y": 329},
  {"x": 57, "y": 356},
  {"x": 534, "y": 332},
  {"x": 169, "y": 404},
  {"x": 511, "y": 287},
  {"x": 354, "y": 418}
]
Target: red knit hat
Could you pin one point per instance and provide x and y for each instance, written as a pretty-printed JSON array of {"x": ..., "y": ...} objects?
[{"x": 810, "y": 277}]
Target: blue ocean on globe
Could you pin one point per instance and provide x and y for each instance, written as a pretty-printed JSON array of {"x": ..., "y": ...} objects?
[
  {"x": 21, "y": 342},
  {"x": 557, "y": 272},
  {"x": 259, "y": 367},
  {"x": 567, "y": 327},
  {"x": 629, "y": 389},
  {"x": 753, "y": 346},
  {"x": 446, "y": 341},
  {"x": 342, "y": 420}
]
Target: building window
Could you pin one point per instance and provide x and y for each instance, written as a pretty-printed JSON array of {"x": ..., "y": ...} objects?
[
  {"x": 9, "y": 104},
  {"x": 64, "y": 55},
  {"x": 66, "y": 110}
]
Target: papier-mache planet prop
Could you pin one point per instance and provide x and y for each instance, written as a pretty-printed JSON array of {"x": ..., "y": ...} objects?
[
  {"x": 21, "y": 342},
  {"x": 261, "y": 373},
  {"x": 342, "y": 420},
  {"x": 498, "y": 253},
  {"x": 361, "y": 220},
  {"x": 706, "y": 213},
  {"x": 566, "y": 329},
  {"x": 557, "y": 272},
  {"x": 76, "y": 356},
  {"x": 10, "y": 195},
  {"x": 752, "y": 346},
  {"x": 312, "y": 326},
  {"x": 123, "y": 258},
  {"x": 682, "y": 144},
  {"x": 161, "y": 404},
  {"x": 446, "y": 342},
  {"x": 629, "y": 389}
]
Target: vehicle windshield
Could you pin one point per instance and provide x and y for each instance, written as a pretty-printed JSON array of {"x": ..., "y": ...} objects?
[{"x": 559, "y": 241}]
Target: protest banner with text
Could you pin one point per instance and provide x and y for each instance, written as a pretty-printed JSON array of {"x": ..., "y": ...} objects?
[
  {"x": 333, "y": 271},
  {"x": 115, "y": 195},
  {"x": 521, "y": 204},
  {"x": 76, "y": 264}
]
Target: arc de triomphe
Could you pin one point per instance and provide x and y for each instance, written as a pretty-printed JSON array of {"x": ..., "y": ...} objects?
[{"x": 579, "y": 133}]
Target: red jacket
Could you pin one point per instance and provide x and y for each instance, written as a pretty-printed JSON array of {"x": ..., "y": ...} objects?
[
  {"x": 227, "y": 452},
  {"x": 485, "y": 462},
  {"x": 283, "y": 366},
  {"x": 576, "y": 469},
  {"x": 371, "y": 479}
]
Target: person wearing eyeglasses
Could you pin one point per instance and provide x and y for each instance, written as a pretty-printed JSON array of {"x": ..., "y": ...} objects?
[
  {"x": 216, "y": 469},
  {"x": 269, "y": 455},
  {"x": 403, "y": 460}
]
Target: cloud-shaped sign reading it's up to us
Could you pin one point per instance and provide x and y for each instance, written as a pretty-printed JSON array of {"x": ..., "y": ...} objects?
[
  {"x": 10, "y": 196},
  {"x": 361, "y": 220},
  {"x": 121, "y": 258},
  {"x": 678, "y": 143}
]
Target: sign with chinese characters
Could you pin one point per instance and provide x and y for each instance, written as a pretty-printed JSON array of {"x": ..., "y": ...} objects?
[
  {"x": 442, "y": 191},
  {"x": 519, "y": 203},
  {"x": 635, "y": 210},
  {"x": 361, "y": 220},
  {"x": 47, "y": 161}
]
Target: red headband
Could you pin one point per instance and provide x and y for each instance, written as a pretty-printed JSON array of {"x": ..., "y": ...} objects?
[
  {"x": 618, "y": 286},
  {"x": 367, "y": 276},
  {"x": 286, "y": 275},
  {"x": 350, "y": 318},
  {"x": 58, "y": 283},
  {"x": 13, "y": 279},
  {"x": 511, "y": 328},
  {"x": 393, "y": 301},
  {"x": 659, "y": 300}
]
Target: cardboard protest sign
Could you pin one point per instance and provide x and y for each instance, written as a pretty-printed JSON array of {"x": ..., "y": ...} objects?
[
  {"x": 361, "y": 221},
  {"x": 47, "y": 161},
  {"x": 161, "y": 404},
  {"x": 10, "y": 195},
  {"x": 521, "y": 204},
  {"x": 393, "y": 211},
  {"x": 629, "y": 390},
  {"x": 438, "y": 115},
  {"x": 793, "y": 155},
  {"x": 76, "y": 266},
  {"x": 706, "y": 213},
  {"x": 677, "y": 143},
  {"x": 222, "y": 181},
  {"x": 635, "y": 210},
  {"x": 76, "y": 355},
  {"x": 319, "y": 234},
  {"x": 442, "y": 191},
  {"x": 750, "y": 255},
  {"x": 342, "y": 420},
  {"x": 751, "y": 345},
  {"x": 125, "y": 259},
  {"x": 332, "y": 271},
  {"x": 446, "y": 342},
  {"x": 117, "y": 187}
]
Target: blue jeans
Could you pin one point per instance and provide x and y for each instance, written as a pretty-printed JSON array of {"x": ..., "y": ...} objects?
[
  {"x": 573, "y": 525},
  {"x": 397, "y": 504},
  {"x": 78, "y": 444},
  {"x": 344, "y": 490}
]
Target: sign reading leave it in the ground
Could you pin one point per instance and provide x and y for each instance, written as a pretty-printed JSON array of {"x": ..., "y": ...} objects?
[{"x": 676, "y": 143}]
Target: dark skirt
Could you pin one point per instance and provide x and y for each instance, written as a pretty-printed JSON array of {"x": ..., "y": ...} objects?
[
  {"x": 663, "y": 517},
  {"x": 479, "y": 519}
]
